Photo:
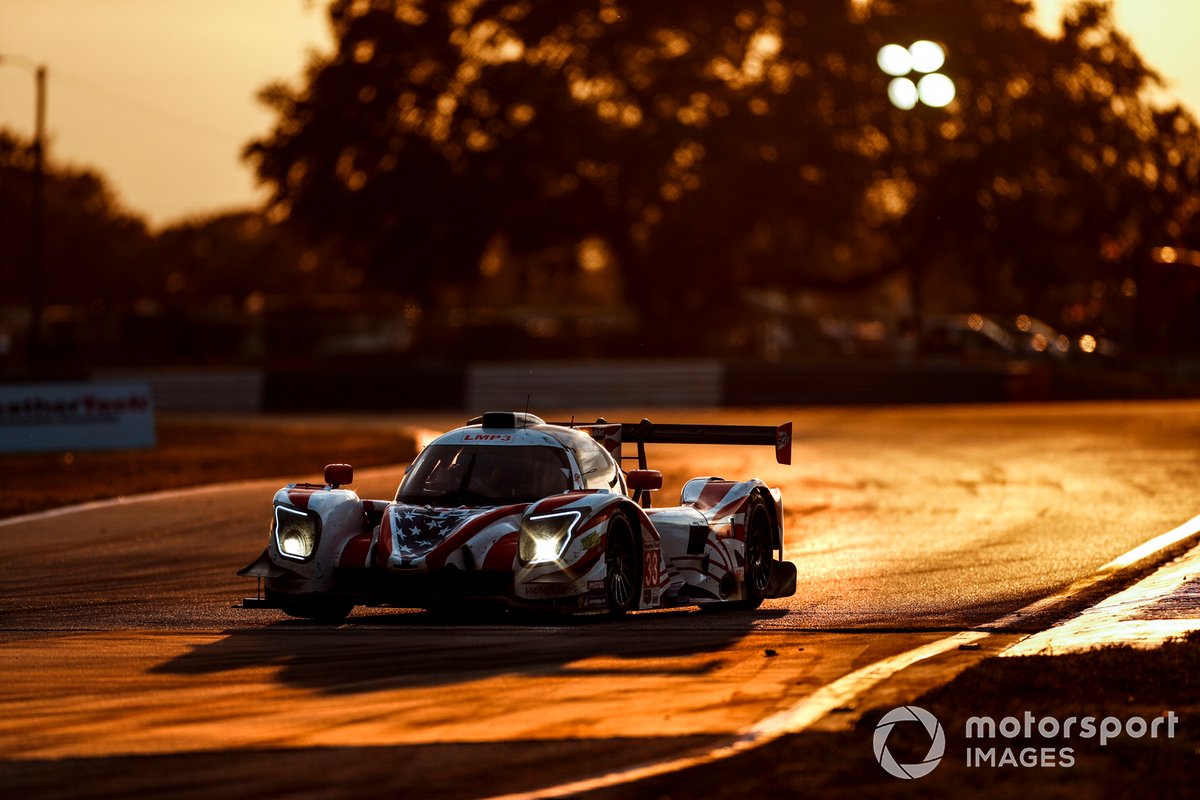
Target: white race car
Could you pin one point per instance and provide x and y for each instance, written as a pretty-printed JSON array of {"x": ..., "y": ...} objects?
[{"x": 512, "y": 512}]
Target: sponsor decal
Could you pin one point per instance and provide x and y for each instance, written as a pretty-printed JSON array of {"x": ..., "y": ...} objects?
[
  {"x": 595, "y": 586},
  {"x": 590, "y": 541},
  {"x": 86, "y": 406},
  {"x": 488, "y": 437},
  {"x": 545, "y": 589},
  {"x": 593, "y": 601},
  {"x": 650, "y": 575},
  {"x": 76, "y": 416}
]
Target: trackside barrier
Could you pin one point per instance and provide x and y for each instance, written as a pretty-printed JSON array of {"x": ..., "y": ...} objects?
[
  {"x": 415, "y": 387},
  {"x": 591, "y": 387},
  {"x": 880, "y": 384},
  {"x": 61, "y": 417},
  {"x": 200, "y": 390}
]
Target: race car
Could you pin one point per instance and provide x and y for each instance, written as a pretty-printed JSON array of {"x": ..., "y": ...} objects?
[{"x": 511, "y": 512}]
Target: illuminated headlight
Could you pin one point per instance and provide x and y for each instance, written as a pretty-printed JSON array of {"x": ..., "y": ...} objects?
[
  {"x": 544, "y": 537},
  {"x": 295, "y": 533}
]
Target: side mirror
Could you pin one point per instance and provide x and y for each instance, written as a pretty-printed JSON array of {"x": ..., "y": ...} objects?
[
  {"x": 339, "y": 474},
  {"x": 644, "y": 480}
]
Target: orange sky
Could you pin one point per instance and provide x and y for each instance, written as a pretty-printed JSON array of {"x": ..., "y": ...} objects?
[
  {"x": 1164, "y": 31},
  {"x": 159, "y": 94}
]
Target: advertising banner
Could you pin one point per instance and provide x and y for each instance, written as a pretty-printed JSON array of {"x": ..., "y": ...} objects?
[{"x": 54, "y": 417}]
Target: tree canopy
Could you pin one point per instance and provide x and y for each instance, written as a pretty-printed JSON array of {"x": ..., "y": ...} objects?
[
  {"x": 94, "y": 248},
  {"x": 702, "y": 147}
]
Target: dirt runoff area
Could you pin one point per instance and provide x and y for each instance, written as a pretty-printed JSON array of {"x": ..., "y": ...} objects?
[{"x": 195, "y": 450}]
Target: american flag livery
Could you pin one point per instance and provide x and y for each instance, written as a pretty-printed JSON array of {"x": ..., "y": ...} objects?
[{"x": 513, "y": 511}]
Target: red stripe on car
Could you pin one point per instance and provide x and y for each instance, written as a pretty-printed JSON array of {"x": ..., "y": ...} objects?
[
  {"x": 300, "y": 497},
  {"x": 383, "y": 549},
  {"x": 356, "y": 551},
  {"x": 436, "y": 558},
  {"x": 503, "y": 554}
]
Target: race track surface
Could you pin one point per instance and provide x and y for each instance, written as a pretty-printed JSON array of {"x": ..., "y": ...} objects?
[{"x": 128, "y": 671}]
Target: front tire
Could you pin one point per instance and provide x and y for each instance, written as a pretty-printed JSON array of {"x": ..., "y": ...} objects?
[{"x": 623, "y": 563}]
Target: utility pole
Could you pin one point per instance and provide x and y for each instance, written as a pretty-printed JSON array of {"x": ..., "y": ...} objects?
[
  {"x": 37, "y": 226},
  {"x": 37, "y": 249}
]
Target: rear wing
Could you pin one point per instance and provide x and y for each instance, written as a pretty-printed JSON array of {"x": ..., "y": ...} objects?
[{"x": 613, "y": 434}]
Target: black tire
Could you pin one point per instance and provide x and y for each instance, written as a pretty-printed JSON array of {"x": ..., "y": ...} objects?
[
  {"x": 623, "y": 559},
  {"x": 323, "y": 611},
  {"x": 758, "y": 553}
]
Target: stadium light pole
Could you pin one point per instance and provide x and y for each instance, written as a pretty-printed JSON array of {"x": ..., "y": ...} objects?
[
  {"x": 922, "y": 58},
  {"x": 38, "y": 215}
]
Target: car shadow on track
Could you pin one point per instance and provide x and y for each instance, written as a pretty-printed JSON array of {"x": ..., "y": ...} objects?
[{"x": 411, "y": 650}]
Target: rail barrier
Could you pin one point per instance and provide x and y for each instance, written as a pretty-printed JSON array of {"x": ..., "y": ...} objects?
[{"x": 591, "y": 386}]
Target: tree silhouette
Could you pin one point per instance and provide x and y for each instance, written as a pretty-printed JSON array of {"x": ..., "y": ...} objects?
[
  {"x": 714, "y": 146},
  {"x": 95, "y": 249}
]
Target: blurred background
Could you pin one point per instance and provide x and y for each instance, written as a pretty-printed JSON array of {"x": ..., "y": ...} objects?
[{"x": 406, "y": 203}]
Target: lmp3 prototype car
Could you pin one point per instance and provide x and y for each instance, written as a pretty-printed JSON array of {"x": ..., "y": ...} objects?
[{"x": 513, "y": 512}]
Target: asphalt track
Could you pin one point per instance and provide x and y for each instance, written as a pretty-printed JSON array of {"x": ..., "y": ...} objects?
[{"x": 128, "y": 672}]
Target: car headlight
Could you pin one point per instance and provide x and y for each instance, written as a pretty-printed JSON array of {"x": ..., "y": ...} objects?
[
  {"x": 544, "y": 537},
  {"x": 295, "y": 533}
]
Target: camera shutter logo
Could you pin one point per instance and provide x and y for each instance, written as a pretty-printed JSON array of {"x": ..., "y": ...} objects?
[{"x": 937, "y": 747}]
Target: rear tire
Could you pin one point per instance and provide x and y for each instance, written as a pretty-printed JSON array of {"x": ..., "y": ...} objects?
[
  {"x": 623, "y": 563},
  {"x": 758, "y": 553},
  {"x": 757, "y": 567}
]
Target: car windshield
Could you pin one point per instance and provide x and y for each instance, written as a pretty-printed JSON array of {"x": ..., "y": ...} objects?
[{"x": 478, "y": 475}]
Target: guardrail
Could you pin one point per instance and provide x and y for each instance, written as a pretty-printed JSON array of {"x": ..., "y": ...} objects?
[
  {"x": 589, "y": 386},
  {"x": 639, "y": 384}
]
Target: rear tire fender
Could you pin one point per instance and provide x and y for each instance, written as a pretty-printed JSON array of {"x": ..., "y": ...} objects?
[{"x": 773, "y": 504}]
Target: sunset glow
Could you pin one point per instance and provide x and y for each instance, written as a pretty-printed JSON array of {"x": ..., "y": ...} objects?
[{"x": 133, "y": 83}]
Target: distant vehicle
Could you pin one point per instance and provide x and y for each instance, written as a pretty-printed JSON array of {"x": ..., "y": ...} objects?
[
  {"x": 969, "y": 336},
  {"x": 1037, "y": 339},
  {"x": 512, "y": 512},
  {"x": 979, "y": 337}
]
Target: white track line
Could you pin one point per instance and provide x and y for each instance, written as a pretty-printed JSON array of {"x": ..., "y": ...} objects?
[
  {"x": 844, "y": 690},
  {"x": 422, "y": 436},
  {"x": 793, "y": 719},
  {"x": 1119, "y": 619},
  {"x": 167, "y": 494},
  {"x": 1154, "y": 545}
]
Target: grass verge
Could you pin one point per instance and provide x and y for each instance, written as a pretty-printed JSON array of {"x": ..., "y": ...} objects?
[{"x": 196, "y": 451}]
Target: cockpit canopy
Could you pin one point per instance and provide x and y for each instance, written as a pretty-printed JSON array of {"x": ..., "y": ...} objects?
[
  {"x": 481, "y": 466},
  {"x": 474, "y": 475}
]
